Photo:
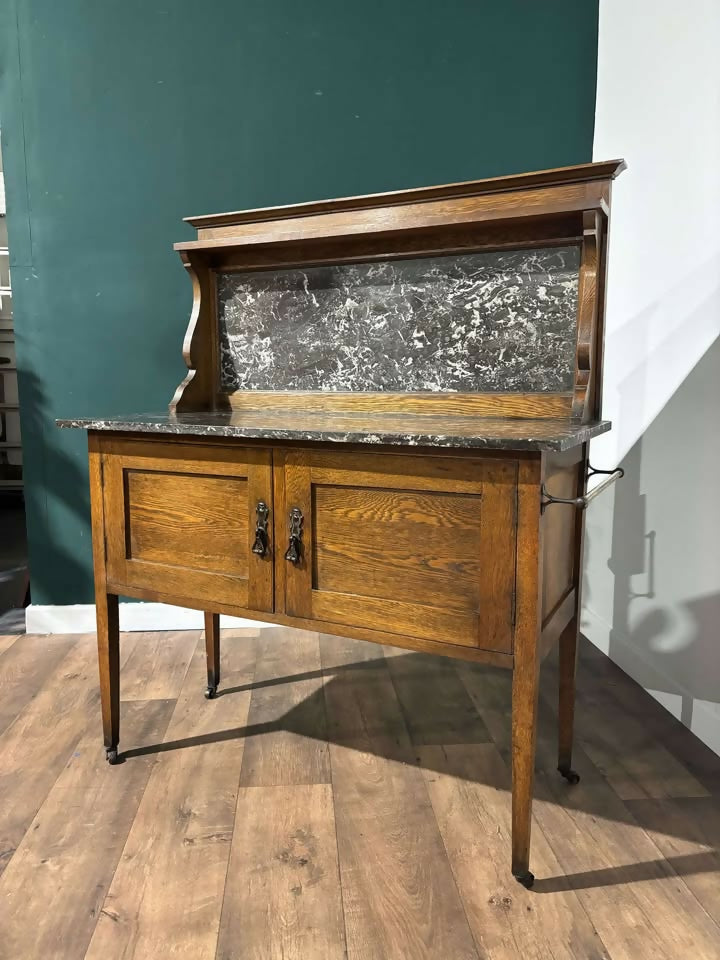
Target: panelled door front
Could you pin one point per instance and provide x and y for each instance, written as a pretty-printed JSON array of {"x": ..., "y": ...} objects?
[
  {"x": 181, "y": 520},
  {"x": 421, "y": 546}
]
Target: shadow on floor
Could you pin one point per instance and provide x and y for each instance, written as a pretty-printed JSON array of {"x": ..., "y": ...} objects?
[
  {"x": 443, "y": 702},
  {"x": 13, "y": 561}
]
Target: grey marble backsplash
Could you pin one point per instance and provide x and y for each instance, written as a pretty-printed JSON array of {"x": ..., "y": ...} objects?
[{"x": 477, "y": 322}]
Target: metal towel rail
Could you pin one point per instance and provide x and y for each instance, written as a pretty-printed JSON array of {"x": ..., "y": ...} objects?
[{"x": 582, "y": 502}]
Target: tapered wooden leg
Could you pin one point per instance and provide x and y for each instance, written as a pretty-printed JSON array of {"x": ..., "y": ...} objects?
[
  {"x": 526, "y": 665},
  {"x": 108, "y": 643},
  {"x": 106, "y": 608},
  {"x": 568, "y": 645},
  {"x": 212, "y": 650},
  {"x": 524, "y": 732},
  {"x": 566, "y": 699}
]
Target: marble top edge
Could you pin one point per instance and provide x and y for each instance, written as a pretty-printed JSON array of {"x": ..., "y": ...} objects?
[{"x": 420, "y": 430}]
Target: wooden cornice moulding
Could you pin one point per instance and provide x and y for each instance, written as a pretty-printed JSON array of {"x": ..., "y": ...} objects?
[
  {"x": 420, "y": 215},
  {"x": 579, "y": 173}
]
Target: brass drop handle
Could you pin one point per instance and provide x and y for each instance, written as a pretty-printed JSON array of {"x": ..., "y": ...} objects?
[
  {"x": 294, "y": 550},
  {"x": 262, "y": 512}
]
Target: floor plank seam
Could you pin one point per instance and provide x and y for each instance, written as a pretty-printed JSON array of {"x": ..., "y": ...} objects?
[
  {"x": 152, "y": 764},
  {"x": 535, "y": 822},
  {"x": 628, "y": 860},
  {"x": 237, "y": 801},
  {"x": 630, "y": 818},
  {"x": 332, "y": 793},
  {"x": 40, "y": 689},
  {"x": 426, "y": 790}
]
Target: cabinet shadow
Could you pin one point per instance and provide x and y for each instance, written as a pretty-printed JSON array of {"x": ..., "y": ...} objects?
[{"x": 407, "y": 707}]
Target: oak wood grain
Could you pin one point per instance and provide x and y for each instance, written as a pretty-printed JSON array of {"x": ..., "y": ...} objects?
[
  {"x": 644, "y": 768},
  {"x": 436, "y": 706},
  {"x": 107, "y": 614},
  {"x": 374, "y": 542},
  {"x": 643, "y": 872},
  {"x": 557, "y": 229},
  {"x": 610, "y": 845},
  {"x": 374, "y": 635},
  {"x": 157, "y": 666},
  {"x": 686, "y": 830},
  {"x": 542, "y": 207},
  {"x": 396, "y": 617},
  {"x": 399, "y": 895},
  {"x": 72, "y": 847},
  {"x": 539, "y": 201},
  {"x": 188, "y": 520},
  {"x": 199, "y": 345},
  {"x": 626, "y": 696},
  {"x": 282, "y": 897},
  {"x": 181, "y": 518},
  {"x": 275, "y": 403},
  {"x": 409, "y": 546},
  {"x": 166, "y": 895},
  {"x": 468, "y": 786},
  {"x": 288, "y": 746},
  {"x": 587, "y": 314},
  {"x": 558, "y": 524},
  {"x": 36, "y": 746},
  {"x": 6, "y": 641},
  {"x": 603, "y": 170},
  {"x": 212, "y": 650},
  {"x": 24, "y": 668},
  {"x": 526, "y": 667}
]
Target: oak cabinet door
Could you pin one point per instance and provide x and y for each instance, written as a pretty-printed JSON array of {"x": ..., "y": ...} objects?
[
  {"x": 420, "y": 546},
  {"x": 181, "y": 520}
]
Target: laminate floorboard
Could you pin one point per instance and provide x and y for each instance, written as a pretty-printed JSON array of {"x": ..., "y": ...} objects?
[{"x": 339, "y": 799}]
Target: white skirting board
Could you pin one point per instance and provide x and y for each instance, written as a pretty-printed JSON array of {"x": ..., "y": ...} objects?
[{"x": 80, "y": 618}]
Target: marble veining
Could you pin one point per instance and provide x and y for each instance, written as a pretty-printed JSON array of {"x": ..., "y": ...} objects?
[
  {"x": 481, "y": 433},
  {"x": 477, "y": 322}
]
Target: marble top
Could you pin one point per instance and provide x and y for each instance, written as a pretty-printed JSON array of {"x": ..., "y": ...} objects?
[{"x": 425, "y": 430}]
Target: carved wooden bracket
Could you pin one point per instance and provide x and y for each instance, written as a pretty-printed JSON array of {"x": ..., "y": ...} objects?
[
  {"x": 196, "y": 392},
  {"x": 587, "y": 313}
]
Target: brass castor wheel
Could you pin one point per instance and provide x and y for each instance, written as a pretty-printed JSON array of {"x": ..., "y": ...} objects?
[
  {"x": 210, "y": 693},
  {"x": 569, "y": 775},
  {"x": 527, "y": 879},
  {"x": 111, "y": 756}
]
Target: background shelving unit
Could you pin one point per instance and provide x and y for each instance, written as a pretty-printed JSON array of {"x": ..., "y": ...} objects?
[{"x": 10, "y": 442}]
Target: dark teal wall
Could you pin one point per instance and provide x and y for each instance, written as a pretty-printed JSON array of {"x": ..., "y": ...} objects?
[{"x": 120, "y": 117}]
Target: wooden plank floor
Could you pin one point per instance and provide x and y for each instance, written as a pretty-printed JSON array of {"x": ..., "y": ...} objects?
[{"x": 340, "y": 800}]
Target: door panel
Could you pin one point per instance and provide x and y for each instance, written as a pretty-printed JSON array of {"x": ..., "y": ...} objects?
[
  {"x": 412, "y": 545},
  {"x": 373, "y": 542},
  {"x": 181, "y": 520}
]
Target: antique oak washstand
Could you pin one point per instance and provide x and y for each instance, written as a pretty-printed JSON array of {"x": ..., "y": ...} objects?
[{"x": 383, "y": 433}]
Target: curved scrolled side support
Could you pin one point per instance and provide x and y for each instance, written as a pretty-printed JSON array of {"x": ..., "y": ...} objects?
[
  {"x": 587, "y": 313},
  {"x": 196, "y": 392}
]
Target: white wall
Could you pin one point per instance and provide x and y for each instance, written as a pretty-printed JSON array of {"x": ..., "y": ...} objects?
[{"x": 654, "y": 605}]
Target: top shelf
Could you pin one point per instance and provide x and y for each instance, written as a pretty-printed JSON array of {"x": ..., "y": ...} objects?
[
  {"x": 566, "y": 191},
  {"x": 489, "y": 291},
  {"x": 580, "y": 173}
]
